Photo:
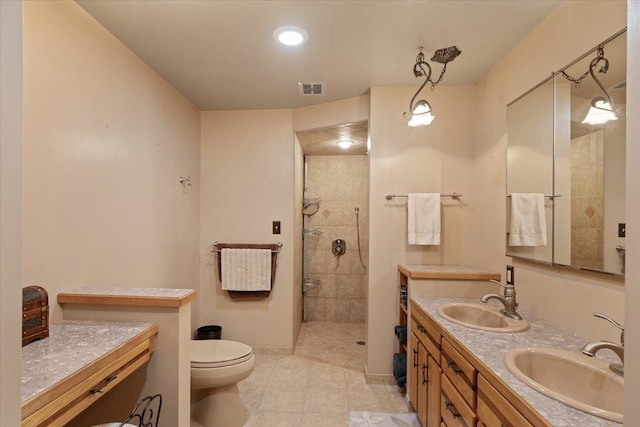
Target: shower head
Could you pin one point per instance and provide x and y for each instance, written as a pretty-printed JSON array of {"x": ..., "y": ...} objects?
[{"x": 448, "y": 54}]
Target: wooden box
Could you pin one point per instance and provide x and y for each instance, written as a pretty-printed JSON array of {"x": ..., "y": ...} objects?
[{"x": 35, "y": 314}]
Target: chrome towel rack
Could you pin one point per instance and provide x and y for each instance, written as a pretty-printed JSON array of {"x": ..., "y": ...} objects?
[{"x": 454, "y": 195}]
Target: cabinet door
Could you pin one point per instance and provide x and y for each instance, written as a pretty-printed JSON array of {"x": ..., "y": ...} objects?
[
  {"x": 433, "y": 393},
  {"x": 412, "y": 378},
  {"x": 423, "y": 372}
]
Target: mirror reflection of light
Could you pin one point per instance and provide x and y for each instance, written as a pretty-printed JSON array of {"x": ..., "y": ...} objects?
[{"x": 599, "y": 113}]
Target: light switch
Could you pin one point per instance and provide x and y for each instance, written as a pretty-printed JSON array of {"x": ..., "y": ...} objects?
[{"x": 275, "y": 227}]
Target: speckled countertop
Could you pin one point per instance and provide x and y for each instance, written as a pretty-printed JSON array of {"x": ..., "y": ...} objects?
[
  {"x": 71, "y": 346},
  {"x": 490, "y": 348},
  {"x": 169, "y": 297}
]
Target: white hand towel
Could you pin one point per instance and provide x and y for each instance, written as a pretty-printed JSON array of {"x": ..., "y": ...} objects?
[
  {"x": 528, "y": 224},
  {"x": 246, "y": 269},
  {"x": 423, "y": 220}
]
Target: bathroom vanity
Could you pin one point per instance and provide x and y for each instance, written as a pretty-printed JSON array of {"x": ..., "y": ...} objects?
[
  {"x": 168, "y": 372},
  {"x": 460, "y": 379},
  {"x": 64, "y": 374},
  {"x": 439, "y": 281}
]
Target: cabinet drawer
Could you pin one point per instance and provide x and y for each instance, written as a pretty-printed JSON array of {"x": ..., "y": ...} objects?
[
  {"x": 460, "y": 372},
  {"x": 426, "y": 338},
  {"x": 419, "y": 316},
  {"x": 495, "y": 410},
  {"x": 454, "y": 409}
]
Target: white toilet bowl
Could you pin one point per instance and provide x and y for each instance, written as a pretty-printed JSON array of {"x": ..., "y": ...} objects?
[{"x": 216, "y": 368}]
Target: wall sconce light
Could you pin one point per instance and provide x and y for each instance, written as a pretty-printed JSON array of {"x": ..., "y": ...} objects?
[
  {"x": 420, "y": 111},
  {"x": 601, "y": 109}
]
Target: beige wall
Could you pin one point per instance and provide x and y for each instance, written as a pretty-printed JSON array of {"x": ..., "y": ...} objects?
[
  {"x": 437, "y": 158},
  {"x": 10, "y": 209},
  {"x": 105, "y": 142},
  {"x": 632, "y": 319},
  {"x": 550, "y": 292},
  {"x": 341, "y": 183},
  {"x": 248, "y": 182}
]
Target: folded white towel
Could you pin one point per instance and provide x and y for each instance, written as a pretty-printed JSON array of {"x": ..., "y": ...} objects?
[
  {"x": 246, "y": 269},
  {"x": 528, "y": 224},
  {"x": 423, "y": 218}
]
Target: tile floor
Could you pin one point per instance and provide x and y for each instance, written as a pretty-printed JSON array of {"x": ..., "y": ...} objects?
[{"x": 319, "y": 384}]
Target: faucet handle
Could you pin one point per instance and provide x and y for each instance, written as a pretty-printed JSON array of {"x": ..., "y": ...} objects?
[
  {"x": 501, "y": 284},
  {"x": 613, "y": 322}
]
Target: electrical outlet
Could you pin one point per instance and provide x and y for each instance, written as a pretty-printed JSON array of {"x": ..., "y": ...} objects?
[
  {"x": 510, "y": 273},
  {"x": 622, "y": 229},
  {"x": 275, "y": 227}
]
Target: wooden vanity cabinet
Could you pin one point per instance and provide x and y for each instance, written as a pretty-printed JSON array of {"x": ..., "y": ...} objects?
[
  {"x": 459, "y": 391},
  {"x": 424, "y": 369},
  {"x": 459, "y": 383},
  {"x": 494, "y": 410}
]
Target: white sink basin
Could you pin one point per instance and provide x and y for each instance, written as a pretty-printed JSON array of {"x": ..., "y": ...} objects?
[
  {"x": 481, "y": 316},
  {"x": 580, "y": 381}
]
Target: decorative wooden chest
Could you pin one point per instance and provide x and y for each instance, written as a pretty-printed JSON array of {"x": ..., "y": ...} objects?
[{"x": 35, "y": 314}]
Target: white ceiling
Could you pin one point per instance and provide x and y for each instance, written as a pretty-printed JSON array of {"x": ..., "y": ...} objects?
[{"x": 222, "y": 55}]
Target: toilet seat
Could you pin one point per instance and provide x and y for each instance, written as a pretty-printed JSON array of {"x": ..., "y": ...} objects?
[{"x": 218, "y": 353}]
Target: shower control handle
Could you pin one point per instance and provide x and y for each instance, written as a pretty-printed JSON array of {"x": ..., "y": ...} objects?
[{"x": 338, "y": 247}]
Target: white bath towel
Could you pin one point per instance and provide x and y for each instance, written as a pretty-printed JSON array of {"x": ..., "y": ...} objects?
[
  {"x": 246, "y": 269},
  {"x": 528, "y": 224},
  {"x": 423, "y": 218}
]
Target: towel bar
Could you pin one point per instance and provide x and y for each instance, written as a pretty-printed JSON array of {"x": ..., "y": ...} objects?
[
  {"x": 453, "y": 195},
  {"x": 275, "y": 249},
  {"x": 548, "y": 196}
]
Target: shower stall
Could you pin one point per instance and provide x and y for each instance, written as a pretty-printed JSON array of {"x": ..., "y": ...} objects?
[{"x": 335, "y": 237}]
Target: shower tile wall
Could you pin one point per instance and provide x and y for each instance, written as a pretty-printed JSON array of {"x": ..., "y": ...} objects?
[
  {"x": 342, "y": 183},
  {"x": 587, "y": 200}
]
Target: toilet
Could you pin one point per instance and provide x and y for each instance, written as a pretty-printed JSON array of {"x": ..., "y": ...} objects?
[{"x": 216, "y": 368}]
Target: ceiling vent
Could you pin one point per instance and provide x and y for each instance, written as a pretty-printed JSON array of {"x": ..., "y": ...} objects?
[{"x": 311, "y": 88}]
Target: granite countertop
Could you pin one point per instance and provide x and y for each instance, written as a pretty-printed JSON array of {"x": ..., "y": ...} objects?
[
  {"x": 71, "y": 346},
  {"x": 168, "y": 297},
  {"x": 490, "y": 348}
]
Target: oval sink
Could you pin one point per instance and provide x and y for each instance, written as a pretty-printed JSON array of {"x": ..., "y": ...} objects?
[
  {"x": 582, "y": 382},
  {"x": 484, "y": 317}
]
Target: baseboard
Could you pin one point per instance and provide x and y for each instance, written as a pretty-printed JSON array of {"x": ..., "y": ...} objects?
[{"x": 378, "y": 378}]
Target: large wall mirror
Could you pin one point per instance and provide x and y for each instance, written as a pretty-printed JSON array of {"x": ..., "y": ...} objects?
[{"x": 566, "y": 164}]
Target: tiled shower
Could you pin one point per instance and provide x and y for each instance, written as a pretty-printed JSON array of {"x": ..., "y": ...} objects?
[{"x": 335, "y": 286}]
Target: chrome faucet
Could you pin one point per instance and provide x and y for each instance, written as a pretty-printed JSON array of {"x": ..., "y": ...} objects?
[
  {"x": 593, "y": 347},
  {"x": 508, "y": 299}
]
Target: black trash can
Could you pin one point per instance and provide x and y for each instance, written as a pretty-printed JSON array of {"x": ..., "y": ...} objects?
[{"x": 209, "y": 332}]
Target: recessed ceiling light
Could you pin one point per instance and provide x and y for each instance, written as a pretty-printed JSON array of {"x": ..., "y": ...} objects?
[
  {"x": 344, "y": 143},
  {"x": 291, "y": 36}
]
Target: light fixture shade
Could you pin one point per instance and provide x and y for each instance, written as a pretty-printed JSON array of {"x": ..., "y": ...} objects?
[
  {"x": 421, "y": 114},
  {"x": 600, "y": 112},
  {"x": 290, "y": 35},
  {"x": 344, "y": 143}
]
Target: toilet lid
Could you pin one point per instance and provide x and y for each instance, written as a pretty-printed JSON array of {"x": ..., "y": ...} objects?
[{"x": 217, "y": 353}]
